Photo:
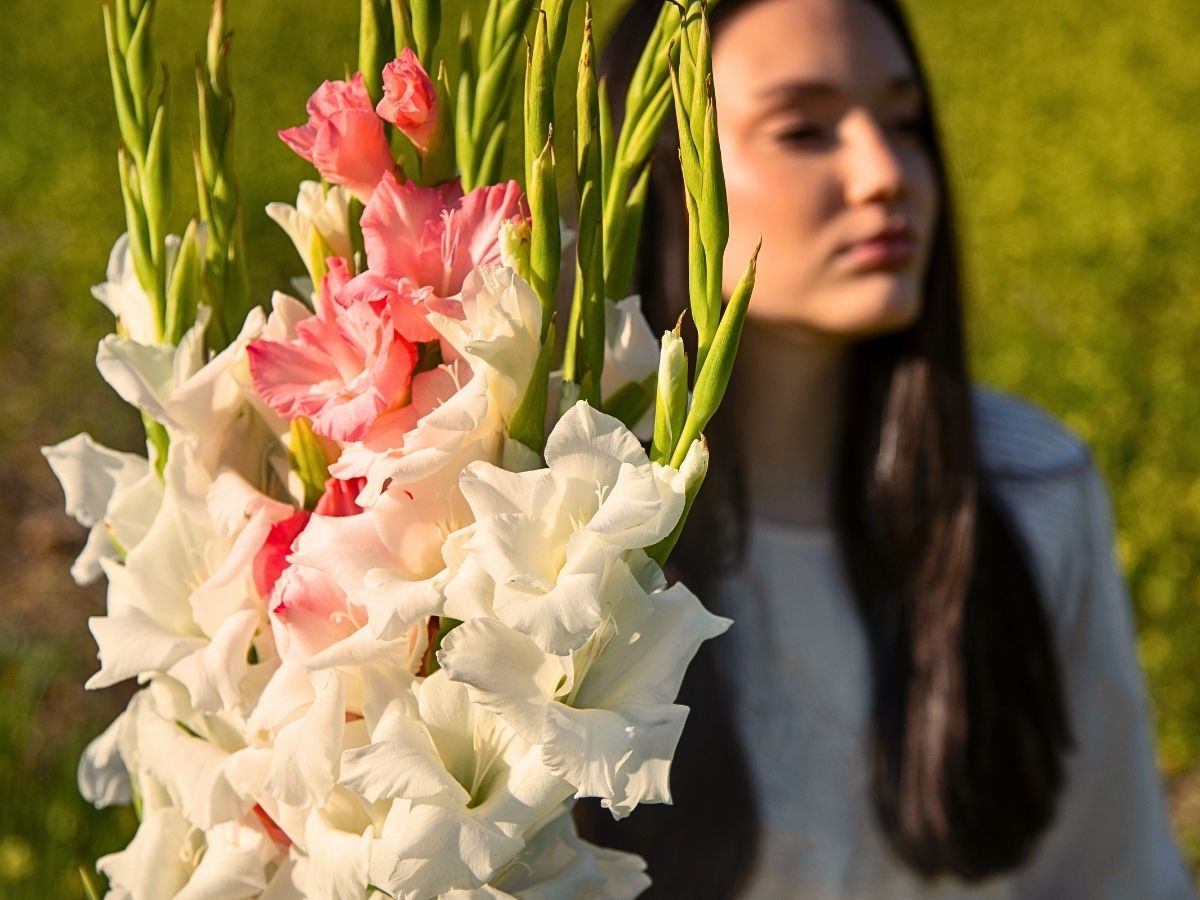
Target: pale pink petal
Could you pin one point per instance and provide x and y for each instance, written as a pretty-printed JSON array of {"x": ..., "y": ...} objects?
[
  {"x": 394, "y": 223},
  {"x": 473, "y": 230},
  {"x": 284, "y": 376},
  {"x": 351, "y": 150},
  {"x": 300, "y": 139},
  {"x": 308, "y": 613}
]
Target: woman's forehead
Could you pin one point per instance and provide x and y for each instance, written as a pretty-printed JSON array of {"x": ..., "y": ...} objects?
[{"x": 778, "y": 46}]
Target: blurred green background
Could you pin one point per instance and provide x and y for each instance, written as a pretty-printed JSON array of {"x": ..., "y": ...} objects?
[{"x": 1073, "y": 142}]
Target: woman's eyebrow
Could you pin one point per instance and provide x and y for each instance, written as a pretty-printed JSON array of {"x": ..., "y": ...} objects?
[{"x": 800, "y": 90}]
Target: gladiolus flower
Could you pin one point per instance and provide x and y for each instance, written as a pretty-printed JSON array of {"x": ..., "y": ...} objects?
[
  {"x": 435, "y": 237},
  {"x": 346, "y": 366},
  {"x": 343, "y": 137},
  {"x": 409, "y": 99}
]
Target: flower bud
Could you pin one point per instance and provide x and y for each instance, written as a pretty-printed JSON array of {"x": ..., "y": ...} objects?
[{"x": 409, "y": 99}]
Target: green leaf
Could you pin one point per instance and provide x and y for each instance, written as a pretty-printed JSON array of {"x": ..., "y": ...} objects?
[
  {"x": 713, "y": 376},
  {"x": 528, "y": 423},
  {"x": 621, "y": 243},
  {"x": 445, "y": 626},
  {"x": 426, "y": 17},
  {"x": 437, "y": 162},
  {"x": 402, "y": 27},
  {"x": 545, "y": 250},
  {"x": 127, "y": 121},
  {"x": 375, "y": 43},
  {"x": 183, "y": 295},
  {"x": 89, "y": 886},
  {"x": 307, "y": 457},
  {"x": 156, "y": 187}
]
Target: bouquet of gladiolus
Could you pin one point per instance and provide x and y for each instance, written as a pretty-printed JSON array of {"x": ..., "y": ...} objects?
[{"x": 390, "y": 576}]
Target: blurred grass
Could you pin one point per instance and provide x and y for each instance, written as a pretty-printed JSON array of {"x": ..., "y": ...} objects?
[{"x": 1073, "y": 152}]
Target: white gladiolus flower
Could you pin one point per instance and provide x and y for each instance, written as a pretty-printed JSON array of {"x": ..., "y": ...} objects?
[
  {"x": 296, "y": 736},
  {"x": 183, "y": 602},
  {"x": 319, "y": 224},
  {"x": 464, "y": 789},
  {"x": 605, "y": 716},
  {"x": 547, "y": 537}
]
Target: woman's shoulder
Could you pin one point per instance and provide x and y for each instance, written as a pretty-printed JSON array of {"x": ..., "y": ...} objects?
[
  {"x": 1043, "y": 476},
  {"x": 1020, "y": 441}
]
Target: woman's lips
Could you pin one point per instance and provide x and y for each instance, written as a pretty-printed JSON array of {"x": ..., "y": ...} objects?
[{"x": 892, "y": 249}]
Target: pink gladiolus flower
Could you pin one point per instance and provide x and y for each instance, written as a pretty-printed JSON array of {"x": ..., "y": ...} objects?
[
  {"x": 343, "y": 137},
  {"x": 409, "y": 99},
  {"x": 434, "y": 237},
  {"x": 347, "y": 364},
  {"x": 271, "y": 559},
  {"x": 308, "y": 610}
]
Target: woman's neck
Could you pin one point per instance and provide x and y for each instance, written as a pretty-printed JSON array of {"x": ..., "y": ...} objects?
[{"x": 787, "y": 397}]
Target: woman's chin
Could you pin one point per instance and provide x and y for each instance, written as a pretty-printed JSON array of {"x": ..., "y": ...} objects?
[{"x": 876, "y": 304}]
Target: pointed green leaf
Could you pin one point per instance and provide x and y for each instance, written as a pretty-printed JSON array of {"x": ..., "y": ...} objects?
[
  {"x": 713, "y": 376},
  {"x": 183, "y": 294},
  {"x": 528, "y": 424}
]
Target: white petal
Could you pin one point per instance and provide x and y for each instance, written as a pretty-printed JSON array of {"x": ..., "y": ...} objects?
[
  {"x": 103, "y": 780},
  {"x": 142, "y": 375},
  {"x": 157, "y": 861},
  {"x": 505, "y": 672},
  {"x": 91, "y": 475},
  {"x": 645, "y": 776},
  {"x": 446, "y": 847},
  {"x": 556, "y": 863},
  {"x": 401, "y": 761},
  {"x": 233, "y": 866},
  {"x": 213, "y": 675},
  {"x": 589, "y": 445},
  {"x": 561, "y": 619},
  {"x": 191, "y": 769},
  {"x": 630, "y": 353},
  {"x": 308, "y": 751},
  {"x": 133, "y": 644},
  {"x": 645, "y": 661},
  {"x": 586, "y": 747},
  {"x": 338, "y": 840},
  {"x": 287, "y": 694},
  {"x": 88, "y": 565},
  {"x": 232, "y": 501}
]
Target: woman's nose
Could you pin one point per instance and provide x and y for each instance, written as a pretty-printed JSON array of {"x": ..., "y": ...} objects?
[{"x": 872, "y": 170}]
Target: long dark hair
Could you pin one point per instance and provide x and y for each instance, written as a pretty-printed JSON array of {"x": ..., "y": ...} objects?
[{"x": 968, "y": 726}]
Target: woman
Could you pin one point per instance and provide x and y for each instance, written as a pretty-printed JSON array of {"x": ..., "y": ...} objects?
[{"x": 930, "y": 688}]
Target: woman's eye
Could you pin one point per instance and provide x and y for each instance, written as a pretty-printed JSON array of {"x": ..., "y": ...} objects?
[{"x": 798, "y": 134}]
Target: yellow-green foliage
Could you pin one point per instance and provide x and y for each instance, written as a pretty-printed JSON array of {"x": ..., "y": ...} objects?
[{"x": 1072, "y": 136}]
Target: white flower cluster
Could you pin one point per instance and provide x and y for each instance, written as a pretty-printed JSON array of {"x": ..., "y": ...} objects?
[{"x": 299, "y": 733}]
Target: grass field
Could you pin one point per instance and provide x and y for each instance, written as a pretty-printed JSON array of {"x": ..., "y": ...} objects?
[{"x": 1072, "y": 142}]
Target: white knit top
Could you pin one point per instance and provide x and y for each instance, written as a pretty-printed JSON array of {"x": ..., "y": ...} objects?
[{"x": 797, "y": 663}]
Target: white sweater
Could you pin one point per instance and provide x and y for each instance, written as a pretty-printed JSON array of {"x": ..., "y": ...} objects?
[{"x": 797, "y": 663}]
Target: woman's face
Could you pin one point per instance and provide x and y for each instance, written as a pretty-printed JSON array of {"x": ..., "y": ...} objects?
[{"x": 819, "y": 111}]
